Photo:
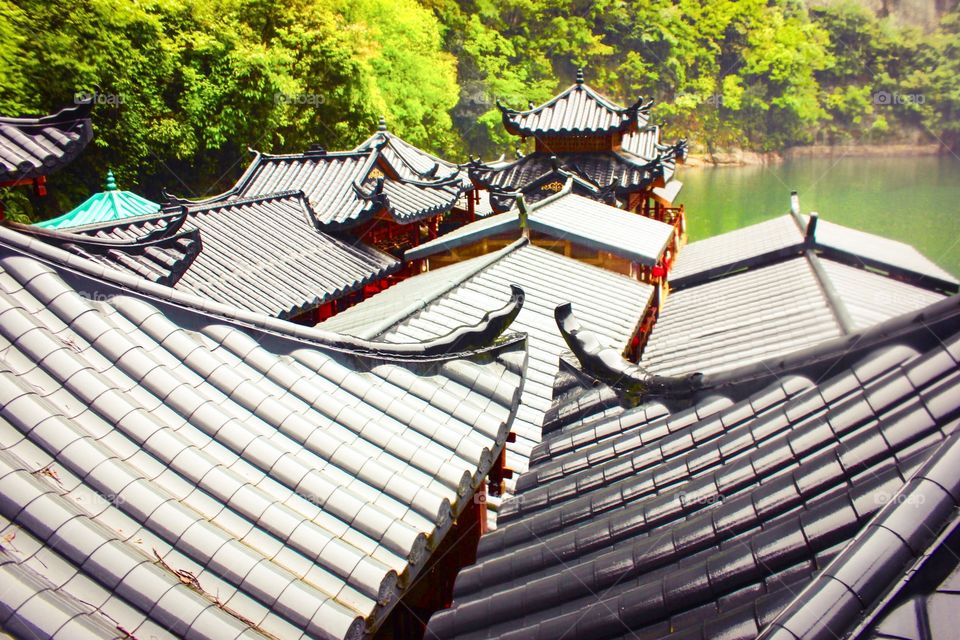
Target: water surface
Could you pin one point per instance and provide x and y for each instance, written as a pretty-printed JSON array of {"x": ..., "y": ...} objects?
[{"x": 916, "y": 200}]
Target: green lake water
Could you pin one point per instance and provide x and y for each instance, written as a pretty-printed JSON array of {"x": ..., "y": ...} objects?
[{"x": 916, "y": 200}]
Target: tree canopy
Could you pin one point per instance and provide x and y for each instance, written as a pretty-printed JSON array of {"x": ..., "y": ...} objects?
[{"x": 186, "y": 86}]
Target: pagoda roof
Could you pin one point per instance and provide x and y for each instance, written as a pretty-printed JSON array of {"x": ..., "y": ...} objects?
[
  {"x": 608, "y": 171},
  {"x": 109, "y": 205},
  {"x": 601, "y": 175},
  {"x": 645, "y": 143},
  {"x": 578, "y": 110},
  {"x": 346, "y": 188},
  {"x": 35, "y": 147},
  {"x": 407, "y": 161}
]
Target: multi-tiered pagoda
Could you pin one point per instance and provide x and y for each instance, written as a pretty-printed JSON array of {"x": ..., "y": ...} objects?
[{"x": 613, "y": 151}]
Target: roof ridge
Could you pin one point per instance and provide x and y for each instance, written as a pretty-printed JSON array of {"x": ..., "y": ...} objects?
[
  {"x": 433, "y": 350},
  {"x": 84, "y": 240},
  {"x": 470, "y": 232},
  {"x": 437, "y": 184},
  {"x": 576, "y": 86},
  {"x": 628, "y": 157},
  {"x": 837, "y": 306},
  {"x": 303, "y": 155},
  {"x": 80, "y": 110},
  {"x": 488, "y": 260},
  {"x": 242, "y": 200}
]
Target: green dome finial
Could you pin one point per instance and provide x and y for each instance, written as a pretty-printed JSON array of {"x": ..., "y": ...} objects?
[{"x": 111, "y": 183}]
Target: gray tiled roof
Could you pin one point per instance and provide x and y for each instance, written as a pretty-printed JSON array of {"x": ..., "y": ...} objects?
[
  {"x": 506, "y": 222},
  {"x": 644, "y": 142},
  {"x": 577, "y": 110},
  {"x": 335, "y": 184},
  {"x": 407, "y": 297},
  {"x": 410, "y": 162},
  {"x": 762, "y": 291},
  {"x": 770, "y": 310},
  {"x": 600, "y": 226},
  {"x": 790, "y": 511},
  {"x": 264, "y": 254},
  {"x": 342, "y": 187},
  {"x": 871, "y": 298},
  {"x": 783, "y": 236},
  {"x": 613, "y": 303},
  {"x": 326, "y": 179},
  {"x": 410, "y": 201},
  {"x": 568, "y": 216},
  {"x": 734, "y": 247},
  {"x": 874, "y": 250},
  {"x": 622, "y": 172},
  {"x": 743, "y": 318},
  {"x": 175, "y": 467},
  {"x": 34, "y": 147},
  {"x": 161, "y": 257}
]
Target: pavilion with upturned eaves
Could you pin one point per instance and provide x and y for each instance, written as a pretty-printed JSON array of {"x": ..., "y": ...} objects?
[
  {"x": 614, "y": 151},
  {"x": 386, "y": 192}
]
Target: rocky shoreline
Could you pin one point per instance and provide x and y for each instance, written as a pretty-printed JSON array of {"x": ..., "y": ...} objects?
[{"x": 744, "y": 157}]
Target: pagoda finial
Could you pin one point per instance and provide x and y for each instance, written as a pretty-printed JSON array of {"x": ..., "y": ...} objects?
[
  {"x": 580, "y": 75},
  {"x": 110, "y": 184},
  {"x": 383, "y": 124}
]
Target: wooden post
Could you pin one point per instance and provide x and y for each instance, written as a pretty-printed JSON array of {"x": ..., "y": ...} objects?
[
  {"x": 524, "y": 226},
  {"x": 480, "y": 501}
]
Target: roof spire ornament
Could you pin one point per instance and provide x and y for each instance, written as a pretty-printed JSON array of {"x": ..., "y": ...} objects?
[
  {"x": 110, "y": 184},
  {"x": 580, "y": 75},
  {"x": 383, "y": 124}
]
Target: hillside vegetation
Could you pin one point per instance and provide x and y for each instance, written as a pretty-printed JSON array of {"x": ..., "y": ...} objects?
[{"x": 186, "y": 86}]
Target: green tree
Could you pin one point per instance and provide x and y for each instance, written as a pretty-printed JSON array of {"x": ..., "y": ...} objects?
[{"x": 190, "y": 84}]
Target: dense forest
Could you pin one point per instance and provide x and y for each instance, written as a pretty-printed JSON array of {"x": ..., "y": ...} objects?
[{"x": 186, "y": 86}]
